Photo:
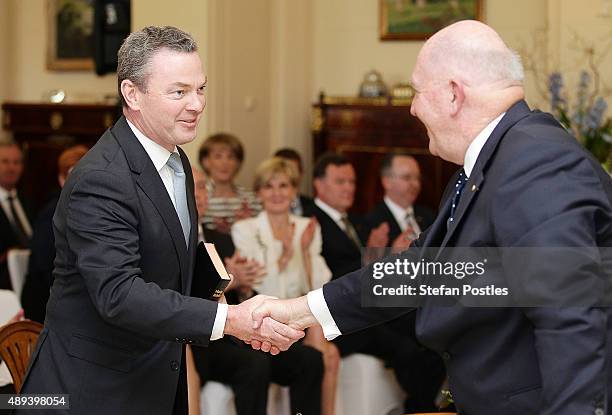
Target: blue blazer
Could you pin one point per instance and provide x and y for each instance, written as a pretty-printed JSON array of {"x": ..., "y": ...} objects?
[
  {"x": 118, "y": 314},
  {"x": 532, "y": 185}
]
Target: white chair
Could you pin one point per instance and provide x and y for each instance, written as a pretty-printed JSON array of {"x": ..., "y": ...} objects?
[
  {"x": 9, "y": 306},
  {"x": 17, "y": 262},
  {"x": 366, "y": 387},
  {"x": 218, "y": 399}
]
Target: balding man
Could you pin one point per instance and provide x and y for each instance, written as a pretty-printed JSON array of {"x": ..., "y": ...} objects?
[
  {"x": 525, "y": 183},
  {"x": 397, "y": 221}
]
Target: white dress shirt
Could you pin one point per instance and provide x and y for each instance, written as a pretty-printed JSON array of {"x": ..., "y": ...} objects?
[
  {"x": 4, "y": 195},
  {"x": 401, "y": 216},
  {"x": 331, "y": 212},
  {"x": 316, "y": 299},
  {"x": 159, "y": 156}
]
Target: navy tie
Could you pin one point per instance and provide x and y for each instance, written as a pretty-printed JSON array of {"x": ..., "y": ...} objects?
[{"x": 459, "y": 185}]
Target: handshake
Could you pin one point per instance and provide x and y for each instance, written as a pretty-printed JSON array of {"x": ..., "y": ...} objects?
[{"x": 269, "y": 324}]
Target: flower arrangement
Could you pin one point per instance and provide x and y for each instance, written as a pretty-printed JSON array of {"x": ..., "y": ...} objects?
[{"x": 585, "y": 120}]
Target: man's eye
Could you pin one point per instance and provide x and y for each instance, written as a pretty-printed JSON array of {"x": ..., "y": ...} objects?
[
  {"x": 179, "y": 93},
  {"x": 202, "y": 89}
]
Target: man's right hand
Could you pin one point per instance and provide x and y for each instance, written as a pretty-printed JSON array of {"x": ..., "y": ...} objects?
[
  {"x": 268, "y": 335},
  {"x": 294, "y": 312}
]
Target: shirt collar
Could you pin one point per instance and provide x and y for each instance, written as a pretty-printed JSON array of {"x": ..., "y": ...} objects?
[
  {"x": 471, "y": 155},
  {"x": 158, "y": 155},
  {"x": 397, "y": 210},
  {"x": 331, "y": 212},
  {"x": 4, "y": 194}
]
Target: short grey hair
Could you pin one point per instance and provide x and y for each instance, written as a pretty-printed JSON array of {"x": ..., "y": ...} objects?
[{"x": 138, "y": 49}]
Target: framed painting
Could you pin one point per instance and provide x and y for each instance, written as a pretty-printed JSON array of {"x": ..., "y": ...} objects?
[
  {"x": 70, "y": 31},
  {"x": 419, "y": 19}
]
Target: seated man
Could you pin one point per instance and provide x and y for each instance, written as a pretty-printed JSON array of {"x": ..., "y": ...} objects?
[
  {"x": 402, "y": 221},
  {"x": 418, "y": 371},
  {"x": 15, "y": 213}
]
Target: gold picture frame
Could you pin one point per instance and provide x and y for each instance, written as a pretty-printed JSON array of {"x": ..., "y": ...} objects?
[
  {"x": 70, "y": 25},
  {"x": 419, "y": 19}
]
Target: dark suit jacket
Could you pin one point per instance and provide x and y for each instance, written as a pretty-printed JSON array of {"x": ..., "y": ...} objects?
[
  {"x": 307, "y": 204},
  {"x": 381, "y": 213},
  {"x": 339, "y": 252},
  {"x": 532, "y": 185},
  {"x": 9, "y": 240},
  {"x": 118, "y": 315}
]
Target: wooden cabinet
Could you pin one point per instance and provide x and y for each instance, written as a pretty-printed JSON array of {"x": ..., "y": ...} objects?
[
  {"x": 365, "y": 130},
  {"x": 45, "y": 130}
]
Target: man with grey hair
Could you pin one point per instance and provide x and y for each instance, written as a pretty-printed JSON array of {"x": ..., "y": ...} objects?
[
  {"x": 119, "y": 313},
  {"x": 525, "y": 183}
]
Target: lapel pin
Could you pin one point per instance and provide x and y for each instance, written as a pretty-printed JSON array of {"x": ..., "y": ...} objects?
[{"x": 474, "y": 188}]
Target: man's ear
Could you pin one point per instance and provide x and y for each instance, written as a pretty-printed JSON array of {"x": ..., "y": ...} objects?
[
  {"x": 317, "y": 185},
  {"x": 130, "y": 93},
  {"x": 384, "y": 180},
  {"x": 457, "y": 97}
]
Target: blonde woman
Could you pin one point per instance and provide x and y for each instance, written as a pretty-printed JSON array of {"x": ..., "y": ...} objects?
[{"x": 290, "y": 248}]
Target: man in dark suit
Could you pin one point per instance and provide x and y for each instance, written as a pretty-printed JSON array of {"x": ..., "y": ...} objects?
[
  {"x": 418, "y": 371},
  {"x": 119, "y": 314},
  {"x": 401, "y": 219},
  {"x": 15, "y": 211},
  {"x": 525, "y": 183}
]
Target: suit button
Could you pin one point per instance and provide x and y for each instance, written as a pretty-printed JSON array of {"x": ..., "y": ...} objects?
[
  {"x": 599, "y": 411},
  {"x": 174, "y": 366},
  {"x": 446, "y": 356}
]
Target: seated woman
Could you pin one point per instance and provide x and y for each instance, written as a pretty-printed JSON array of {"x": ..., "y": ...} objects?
[
  {"x": 289, "y": 247},
  {"x": 221, "y": 156}
]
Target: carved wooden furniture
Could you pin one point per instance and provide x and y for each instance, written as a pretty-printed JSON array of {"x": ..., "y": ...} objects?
[
  {"x": 45, "y": 130},
  {"x": 17, "y": 342}
]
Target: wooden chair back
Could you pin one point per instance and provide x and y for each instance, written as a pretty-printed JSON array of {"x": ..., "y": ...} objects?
[{"x": 17, "y": 342}]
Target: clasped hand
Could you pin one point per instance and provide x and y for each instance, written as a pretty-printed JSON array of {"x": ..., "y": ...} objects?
[{"x": 266, "y": 334}]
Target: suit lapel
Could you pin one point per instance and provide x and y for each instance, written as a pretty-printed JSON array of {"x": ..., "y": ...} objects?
[
  {"x": 193, "y": 216},
  {"x": 150, "y": 182},
  {"x": 517, "y": 112}
]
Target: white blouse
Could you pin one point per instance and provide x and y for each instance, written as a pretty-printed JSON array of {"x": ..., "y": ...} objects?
[{"x": 254, "y": 239}]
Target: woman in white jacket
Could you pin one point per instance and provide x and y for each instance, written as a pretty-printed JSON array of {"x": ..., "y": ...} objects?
[{"x": 290, "y": 248}]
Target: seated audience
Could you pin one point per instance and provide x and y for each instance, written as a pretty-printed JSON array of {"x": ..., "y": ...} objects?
[
  {"x": 247, "y": 371},
  {"x": 290, "y": 248},
  {"x": 418, "y": 371},
  {"x": 15, "y": 213},
  {"x": 221, "y": 156},
  {"x": 39, "y": 278},
  {"x": 301, "y": 205},
  {"x": 397, "y": 221}
]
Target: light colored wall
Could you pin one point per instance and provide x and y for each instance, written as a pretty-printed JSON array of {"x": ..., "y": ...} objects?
[
  {"x": 4, "y": 32},
  {"x": 26, "y": 66},
  {"x": 347, "y": 45},
  {"x": 239, "y": 76}
]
